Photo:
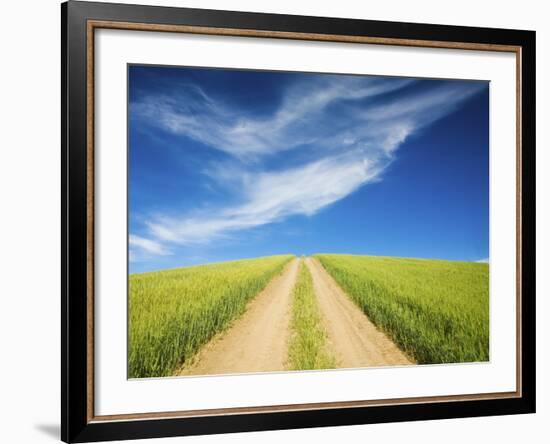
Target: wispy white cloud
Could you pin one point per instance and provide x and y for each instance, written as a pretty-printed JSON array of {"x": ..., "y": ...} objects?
[
  {"x": 388, "y": 123},
  {"x": 194, "y": 114},
  {"x": 271, "y": 197},
  {"x": 348, "y": 129},
  {"x": 139, "y": 245},
  {"x": 483, "y": 261}
]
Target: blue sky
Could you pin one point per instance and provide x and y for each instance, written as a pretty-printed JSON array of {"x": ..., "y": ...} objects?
[{"x": 229, "y": 164}]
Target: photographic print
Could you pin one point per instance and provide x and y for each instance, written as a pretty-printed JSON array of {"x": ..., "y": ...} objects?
[{"x": 291, "y": 221}]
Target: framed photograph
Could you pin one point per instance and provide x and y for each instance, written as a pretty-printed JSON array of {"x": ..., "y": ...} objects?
[{"x": 276, "y": 221}]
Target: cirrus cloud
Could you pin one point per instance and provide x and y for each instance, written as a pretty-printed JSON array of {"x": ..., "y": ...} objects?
[{"x": 346, "y": 130}]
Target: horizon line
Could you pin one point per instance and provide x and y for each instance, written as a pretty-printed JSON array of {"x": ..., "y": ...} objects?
[{"x": 483, "y": 261}]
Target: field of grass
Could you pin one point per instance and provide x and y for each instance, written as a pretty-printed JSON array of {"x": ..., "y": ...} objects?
[
  {"x": 172, "y": 313},
  {"x": 436, "y": 311},
  {"x": 307, "y": 348}
]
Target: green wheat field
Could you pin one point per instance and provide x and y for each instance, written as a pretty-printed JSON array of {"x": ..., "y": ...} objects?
[
  {"x": 435, "y": 311},
  {"x": 172, "y": 313}
]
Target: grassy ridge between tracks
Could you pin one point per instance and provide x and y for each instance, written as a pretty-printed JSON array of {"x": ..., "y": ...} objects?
[{"x": 307, "y": 348}]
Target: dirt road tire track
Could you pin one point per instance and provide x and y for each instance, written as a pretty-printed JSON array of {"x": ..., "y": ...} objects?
[
  {"x": 352, "y": 337},
  {"x": 258, "y": 340}
]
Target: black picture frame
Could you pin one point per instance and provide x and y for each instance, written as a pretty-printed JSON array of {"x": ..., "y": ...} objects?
[{"x": 77, "y": 424}]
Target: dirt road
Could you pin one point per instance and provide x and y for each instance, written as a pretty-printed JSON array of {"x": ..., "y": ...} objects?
[
  {"x": 257, "y": 341},
  {"x": 353, "y": 338}
]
